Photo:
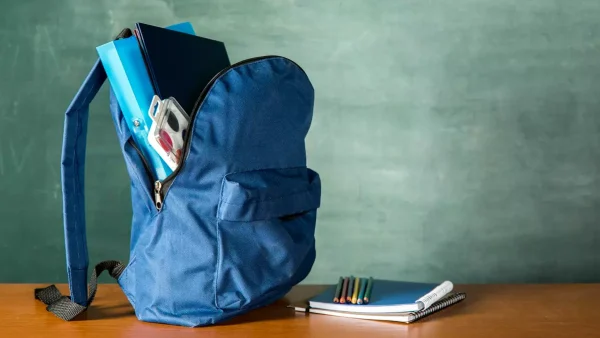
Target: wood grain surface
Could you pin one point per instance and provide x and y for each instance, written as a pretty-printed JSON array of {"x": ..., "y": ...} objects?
[{"x": 490, "y": 311}]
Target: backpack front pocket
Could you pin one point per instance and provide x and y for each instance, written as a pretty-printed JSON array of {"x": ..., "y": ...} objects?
[{"x": 265, "y": 231}]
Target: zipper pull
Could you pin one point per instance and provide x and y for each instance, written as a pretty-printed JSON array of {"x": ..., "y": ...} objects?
[{"x": 157, "y": 196}]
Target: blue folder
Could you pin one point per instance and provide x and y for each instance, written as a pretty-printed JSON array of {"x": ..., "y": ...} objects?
[{"x": 129, "y": 78}]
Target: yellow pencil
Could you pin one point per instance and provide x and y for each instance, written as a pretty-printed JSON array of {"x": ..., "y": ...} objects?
[{"x": 356, "y": 288}]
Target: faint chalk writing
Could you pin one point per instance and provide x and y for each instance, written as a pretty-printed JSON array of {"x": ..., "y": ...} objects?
[
  {"x": 15, "y": 61},
  {"x": 1, "y": 162},
  {"x": 20, "y": 158},
  {"x": 53, "y": 192}
]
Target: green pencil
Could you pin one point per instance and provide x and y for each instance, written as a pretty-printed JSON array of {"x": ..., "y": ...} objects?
[
  {"x": 338, "y": 290},
  {"x": 350, "y": 289},
  {"x": 369, "y": 290},
  {"x": 363, "y": 288},
  {"x": 355, "y": 293}
]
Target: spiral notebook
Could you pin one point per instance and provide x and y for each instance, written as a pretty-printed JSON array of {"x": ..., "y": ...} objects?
[
  {"x": 388, "y": 296},
  {"x": 405, "y": 317}
]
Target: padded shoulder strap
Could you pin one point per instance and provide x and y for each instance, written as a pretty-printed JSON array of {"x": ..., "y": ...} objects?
[{"x": 72, "y": 175}]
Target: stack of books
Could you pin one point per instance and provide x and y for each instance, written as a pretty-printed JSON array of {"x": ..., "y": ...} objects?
[{"x": 385, "y": 300}]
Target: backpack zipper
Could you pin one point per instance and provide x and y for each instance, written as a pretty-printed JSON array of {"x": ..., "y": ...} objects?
[
  {"x": 161, "y": 187},
  {"x": 157, "y": 195}
]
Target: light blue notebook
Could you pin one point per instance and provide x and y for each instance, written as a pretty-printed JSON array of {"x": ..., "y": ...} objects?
[
  {"x": 130, "y": 80},
  {"x": 388, "y": 297}
]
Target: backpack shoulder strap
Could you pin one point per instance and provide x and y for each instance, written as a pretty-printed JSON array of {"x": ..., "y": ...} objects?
[{"x": 72, "y": 176}]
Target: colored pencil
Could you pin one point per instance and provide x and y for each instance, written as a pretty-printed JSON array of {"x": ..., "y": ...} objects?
[
  {"x": 350, "y": 289},
  {"x": 356, "y": 288},
  {"x": 369, "y": 290},
  {"x": 344, "y": 290},
  {"x": 363, "y": 288},
  {"x": 338, "y": 290}
]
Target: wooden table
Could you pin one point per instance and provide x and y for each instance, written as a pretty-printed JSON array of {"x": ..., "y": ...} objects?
[{"x": 489, "y": 311}]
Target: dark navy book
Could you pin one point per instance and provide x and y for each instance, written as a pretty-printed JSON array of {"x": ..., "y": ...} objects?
[{"x": 180, "y": 65}]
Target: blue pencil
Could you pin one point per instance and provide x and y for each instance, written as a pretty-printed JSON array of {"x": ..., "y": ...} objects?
[{"x": 363, "y": 288}]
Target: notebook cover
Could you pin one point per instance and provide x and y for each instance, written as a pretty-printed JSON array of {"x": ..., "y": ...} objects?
[
  {"x": 180, "y": 65},
  {"x": 387, "y": 296}
]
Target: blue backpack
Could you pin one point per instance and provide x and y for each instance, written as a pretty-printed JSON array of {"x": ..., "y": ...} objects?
[{"x": 232, "y": 229}]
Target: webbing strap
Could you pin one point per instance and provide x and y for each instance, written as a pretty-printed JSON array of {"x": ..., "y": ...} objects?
[{"x": 62, "y": 306}]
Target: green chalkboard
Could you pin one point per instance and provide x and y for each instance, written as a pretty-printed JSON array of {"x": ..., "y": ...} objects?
[{"x": 455, "y": 139}]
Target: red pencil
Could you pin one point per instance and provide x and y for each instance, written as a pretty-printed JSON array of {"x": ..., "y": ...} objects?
[{"x": 344, "y": 290}]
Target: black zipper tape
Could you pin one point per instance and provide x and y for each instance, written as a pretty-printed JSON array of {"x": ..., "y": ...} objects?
[
  {"x": 144, "y": 161},
  {"x": 166, "y": 183}
]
